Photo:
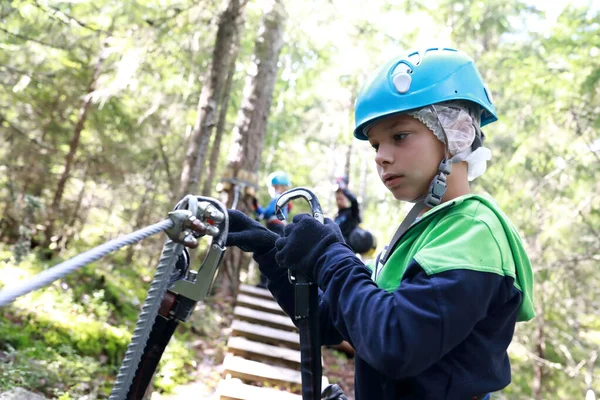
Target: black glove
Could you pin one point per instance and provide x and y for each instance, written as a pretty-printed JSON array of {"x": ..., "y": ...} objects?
[
  {"x": 248, "y": 234},
  {"x": 333, "y": 392},
  {"x": 304, "y": 241}
]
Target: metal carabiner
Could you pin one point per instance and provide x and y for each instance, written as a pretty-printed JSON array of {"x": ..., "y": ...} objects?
[
  {"x": 301, "y": 282},
  {"x": 300, "y": 192},
  {"x": 306, "y": 307},
  {"x": 164, "y": 308},
  {"x": 196, "y": 284}
]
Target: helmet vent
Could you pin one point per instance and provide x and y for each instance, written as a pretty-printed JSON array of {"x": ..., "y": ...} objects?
[
  {"x": 415, "y": 58},
  {"x": 402, "y": 68}
]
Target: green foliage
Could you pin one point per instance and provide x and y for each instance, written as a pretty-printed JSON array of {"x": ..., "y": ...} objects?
[
  {"x": 55, "y": 371},
  {"x": 69, "y": 339},
  {"x": 175, "y": 365}
]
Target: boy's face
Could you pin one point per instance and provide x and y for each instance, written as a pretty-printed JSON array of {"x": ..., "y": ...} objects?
[
  {"x": 280, "y": 188},
  {"x": 408, "y": 155}
]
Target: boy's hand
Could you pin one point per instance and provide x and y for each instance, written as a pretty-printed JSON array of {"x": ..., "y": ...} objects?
[
  {"x": 248, "y": 234},
  {"x": 304, "y": 241}
]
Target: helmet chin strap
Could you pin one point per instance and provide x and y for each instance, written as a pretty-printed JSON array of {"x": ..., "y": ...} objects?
[
  {"x": 435, "y": 193},
  {"x": 438, "y": 186}
]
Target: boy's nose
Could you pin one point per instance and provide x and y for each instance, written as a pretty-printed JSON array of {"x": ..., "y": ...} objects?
[{"x": 383, "y": 155}]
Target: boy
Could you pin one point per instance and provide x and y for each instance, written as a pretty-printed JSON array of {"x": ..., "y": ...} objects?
[
  {"x": 433, "y": 318},
  {"x": 279, "y": 182}
]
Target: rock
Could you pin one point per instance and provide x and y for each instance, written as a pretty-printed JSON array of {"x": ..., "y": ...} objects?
[{"x": 20, "y": 394}]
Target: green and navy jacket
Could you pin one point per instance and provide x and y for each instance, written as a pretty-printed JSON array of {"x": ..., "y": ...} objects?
[{"x": 436, "y": 320}]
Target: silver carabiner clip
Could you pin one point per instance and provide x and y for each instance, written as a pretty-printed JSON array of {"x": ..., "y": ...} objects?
[
  {"x": 210, "y": 218},
  {"x": 300, "y": 282},
  {"x": 300, "y": 192}
]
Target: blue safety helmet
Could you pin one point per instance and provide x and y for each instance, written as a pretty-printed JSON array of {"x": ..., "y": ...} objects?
[
  {"x": 279, "y": 178},
  {"x": 417, "y": 79}
]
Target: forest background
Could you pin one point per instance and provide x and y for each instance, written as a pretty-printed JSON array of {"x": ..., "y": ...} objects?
[{"x": 111, "y": 110}]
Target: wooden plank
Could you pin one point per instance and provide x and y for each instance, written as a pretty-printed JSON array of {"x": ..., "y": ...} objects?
[
  {"x": 259, "y": 304},
  {"x": 265, "y": 335},
  {"x": 264, "y": 318},
  {"x": 234, "y": 389},
  {"x": 240, "y": 346},
  {"x": 252, "y": 350},
  {"x": 256, "y": 291},
  {"x": 254, "y": 371}
]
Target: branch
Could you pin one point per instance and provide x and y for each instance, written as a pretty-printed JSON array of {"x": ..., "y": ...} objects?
[
  {"x": 589, "y": 225},
  {"x": 28, "y": 39},
  {"x": 579, "y": 131},
  {"x": 60, "y": 16},
  {"x": 167, "y": 169},
  {"x": 568, "y": 260},
  {"x": 31, "y": 74},
  {"x": 155, "y": 23},
  {"x": 571, "y": 371},
  {"x": 18, "y": 130}
]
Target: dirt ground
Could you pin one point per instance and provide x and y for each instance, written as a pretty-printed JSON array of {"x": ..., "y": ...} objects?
[{"x": 339, "y": 368}]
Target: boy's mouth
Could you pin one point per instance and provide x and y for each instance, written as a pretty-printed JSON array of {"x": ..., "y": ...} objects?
[{"x": 391, "y": 180}]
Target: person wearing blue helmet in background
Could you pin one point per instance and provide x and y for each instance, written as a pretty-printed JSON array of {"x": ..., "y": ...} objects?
[
  {"x": 433, "y": 315},
  {"x": 278, "y": 182}
]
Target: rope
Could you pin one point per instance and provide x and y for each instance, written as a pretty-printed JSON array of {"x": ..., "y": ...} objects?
[{"x": 45, "y": 278}]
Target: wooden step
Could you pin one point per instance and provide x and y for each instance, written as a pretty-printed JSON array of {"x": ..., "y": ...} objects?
[
  {"x": 240, "y": 346},
  {"x": 259, "y": 304},
  {"x": 255, "y": 291},
  {"x": 234, "y": 389},
  {"x": 256, "y": 351},
  {"x": 264, "y": 318},
  {"x": 254, "y": 371},
  {"x": 265, "y": 335}
]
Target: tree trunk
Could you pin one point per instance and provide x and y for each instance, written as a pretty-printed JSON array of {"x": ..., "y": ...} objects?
[
  {"x": 364, "y": 175},
  {"x": 165, "y": 161},
  {"x": 538, "y": 367},
  {"x": 36, "y": 178},
  {"x": 348, "y": 162},
  {"x": 73, "y": 146},
  {"x": 589, "y": 376},
  {"x": 71, "y": 223},
  {"x": 142, "y": 210},
  {"x": 226, "y": 95},
  {"x": 249, "y": 132},
  {"x": 208, "y": 103},
  {"x": 75, "y": 214}
]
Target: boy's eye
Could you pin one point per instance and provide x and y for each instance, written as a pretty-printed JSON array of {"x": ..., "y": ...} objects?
[
  {"x": 375, "y": 146},
  {"x": 400, "y": 136}
]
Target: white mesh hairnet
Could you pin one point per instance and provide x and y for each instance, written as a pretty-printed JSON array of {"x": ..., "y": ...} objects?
[{"x": 460, "y": 120}]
